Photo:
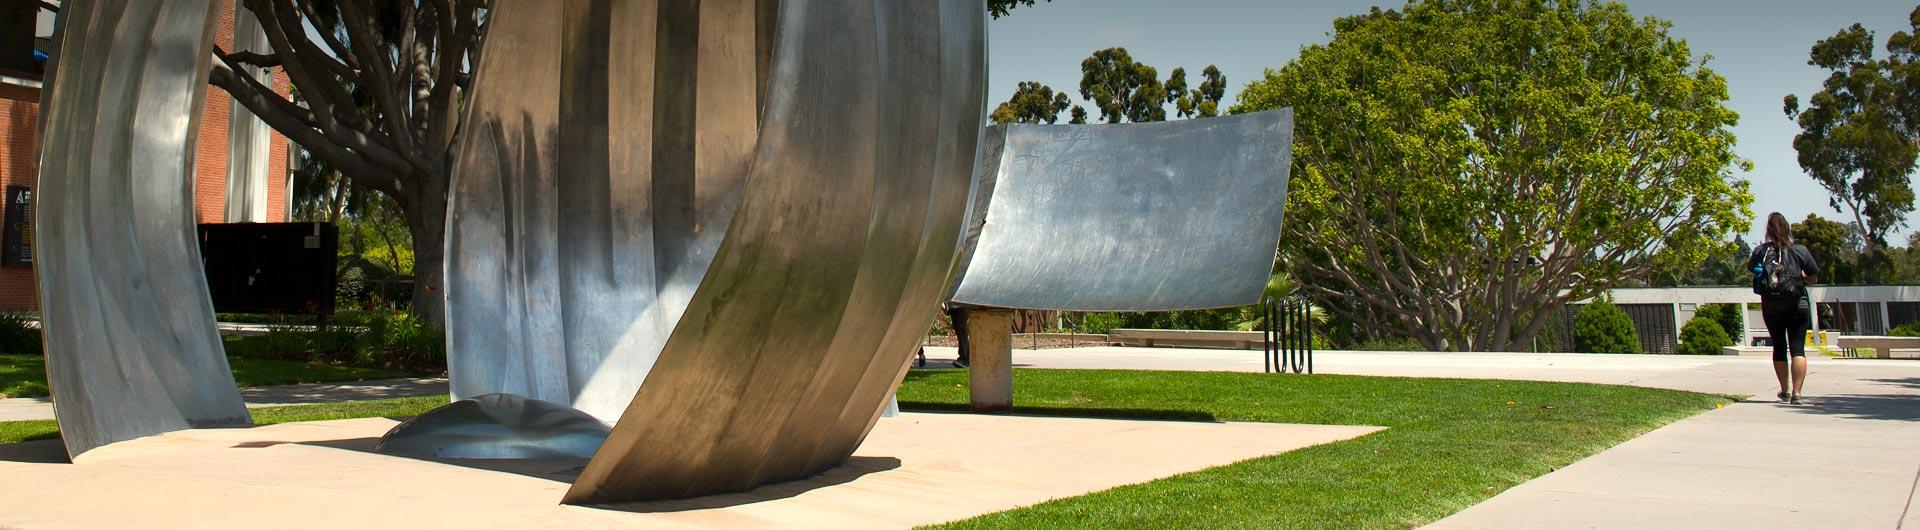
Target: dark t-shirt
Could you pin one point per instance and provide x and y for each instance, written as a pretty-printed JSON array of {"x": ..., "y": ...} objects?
[{"x": 1808, "y": 267}]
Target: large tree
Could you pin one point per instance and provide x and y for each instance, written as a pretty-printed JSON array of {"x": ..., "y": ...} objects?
[
  {"x": 1032, "y": 102},
  {"x": 378, "y": 86},
  {"x": 1858, "y": 133},
  {"x": 1126, "y": 90},
  {"x": 1000, "y": 8},
  {"x": 1463, "y": 168},
  {"x": 1838, "y": 248},
  {"x": 1122, "y": 88}
]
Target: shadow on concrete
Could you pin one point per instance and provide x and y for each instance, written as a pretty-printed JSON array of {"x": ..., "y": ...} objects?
[
  {"x": 1909, "y": 382},
  {"x": 561, "y": 470},
  {"x": 1899, "y": 407},
  {"x": 566, "y": 470},
  {"x": 1065, "y": 412},
  {"x": 47, "y": 451},
  {"x": 855, "y": 468}
]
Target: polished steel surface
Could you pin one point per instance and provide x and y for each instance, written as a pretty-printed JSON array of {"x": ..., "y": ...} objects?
[
  {"x": 604, "y": 152},
  {"x": 1132, "y": 217},
  {"x": 129, "y": 331},
  {"x": 833, "y": 265},
  {"x": 497, "y": 426}
]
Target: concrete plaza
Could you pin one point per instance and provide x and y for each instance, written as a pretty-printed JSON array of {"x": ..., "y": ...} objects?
[{"x": 915, "y": 469}]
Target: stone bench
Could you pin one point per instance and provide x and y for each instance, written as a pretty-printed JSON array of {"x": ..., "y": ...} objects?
[
  {"x": 1882, "y": 345},
  {"x": 1244, "y": 340}
]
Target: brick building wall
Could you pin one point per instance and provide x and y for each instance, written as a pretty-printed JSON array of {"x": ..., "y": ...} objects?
[{"x": 19, "y": 113}]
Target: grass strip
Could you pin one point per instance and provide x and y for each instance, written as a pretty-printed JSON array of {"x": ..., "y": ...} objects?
[
  {"x": 26, "y": 375},
  {"x": 1450, "y": 443},
  {"x": 25, "y": 431}
]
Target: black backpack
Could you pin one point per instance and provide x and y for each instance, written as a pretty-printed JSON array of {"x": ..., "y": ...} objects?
[{"x": 1778, "y": 273}]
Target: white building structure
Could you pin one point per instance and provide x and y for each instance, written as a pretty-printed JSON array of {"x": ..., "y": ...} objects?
[{"x": 1845, "y": 309}]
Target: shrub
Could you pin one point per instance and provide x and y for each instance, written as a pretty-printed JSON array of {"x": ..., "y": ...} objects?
[
  {"x": 1601, "y": 327},
  {"x": 401, "y": 340},
  {"x": 1101, "y": 322},
  {"x": 1727, "y": 316},
  {"x": 1702, "y": 336},
  {"x": 1910, "y": 329},
  {"x": 18, "y": 336},
  {"x": 393, "y": 341}
]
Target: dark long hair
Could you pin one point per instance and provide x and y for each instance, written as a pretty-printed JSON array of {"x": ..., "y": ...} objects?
[{"x": 1779, "y": 232}]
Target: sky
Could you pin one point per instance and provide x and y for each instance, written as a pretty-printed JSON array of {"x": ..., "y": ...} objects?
[{"x": 1760, "y": 46}]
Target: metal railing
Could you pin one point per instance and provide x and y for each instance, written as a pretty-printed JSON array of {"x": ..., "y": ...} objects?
[{"x": 1288, "y": 326}]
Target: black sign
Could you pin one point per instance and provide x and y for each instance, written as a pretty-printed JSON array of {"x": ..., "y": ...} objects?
[
  {"x": 18, "y": 241},
  {"x": 270, "y": 267}
]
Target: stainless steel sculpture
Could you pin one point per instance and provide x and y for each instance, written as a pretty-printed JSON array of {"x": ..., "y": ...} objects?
[
  {"x": 130, "y": 340},
  {"x": 603, "y": 155},
  {"x": 724, "y": 223},
  {"x": 630, "y": 209},
  {"x": 1135, "y": 217}
]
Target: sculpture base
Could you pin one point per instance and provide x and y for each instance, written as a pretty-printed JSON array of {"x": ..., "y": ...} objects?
[{"x": 497, "y": 426}]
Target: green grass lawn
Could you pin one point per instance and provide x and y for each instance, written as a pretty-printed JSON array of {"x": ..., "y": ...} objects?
[
  {"x": 24, "y": 431},
  {"x": 1450, "y": 443},
  {"x": 26, "y": 375}
]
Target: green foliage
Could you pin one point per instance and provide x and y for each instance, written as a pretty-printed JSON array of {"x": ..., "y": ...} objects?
[
  {"x": 387, "y": 340},
  {"x": 1122, "y": 88},
  {"x": 1702, "y": 336},
  {"x": 1910, "y": 329},
  {"x": 1727, "y": 316},
  {"x": 26, "y": 375},
  {"x": 1101, "y": 322},
  {"x": 22, "y": 431},
  {"x": 1464, "y": 167},
  {"x": 1392, "y": 344},
  {"x": 1000, "y": 8},
  {"x": 1858, "y": 133},
  {"x": 1837, "y": 246},
  {"x": 1032, "y": 102},
  {"x": 1601, "y": 327},
  {"x": 1725, "y": 266},
  {"x": 19, "y": 335}
]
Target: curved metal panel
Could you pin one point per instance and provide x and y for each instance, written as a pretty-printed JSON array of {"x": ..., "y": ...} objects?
[
  {"x": 833, "y": 264},
  {"x": 605, "y": 148},
  {"x": 1134, "y": 217},
  {"x": 130, "y": 339}
]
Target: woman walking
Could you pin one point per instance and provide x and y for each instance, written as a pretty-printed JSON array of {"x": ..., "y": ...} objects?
[{"x": 1782, "y": 270}]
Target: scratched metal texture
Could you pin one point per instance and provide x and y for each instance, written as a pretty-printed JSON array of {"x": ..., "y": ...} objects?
[
  {"x": 833, "y": 265},
  {"x": 1130, "y": 217},
  {"x": 129, "y": 333},
  {"x": 604, "y": 153}
]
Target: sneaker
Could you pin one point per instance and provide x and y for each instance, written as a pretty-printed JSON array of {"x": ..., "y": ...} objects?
[
  {"x": 1795, "y": 400},
  {"x": 959, "y": 363},
  {"x": 1784, "y": 396}
]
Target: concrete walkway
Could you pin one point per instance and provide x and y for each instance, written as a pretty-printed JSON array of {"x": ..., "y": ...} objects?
[
  {"x": 1849, "y": 458},
  {"x": 17, "y": 409}
]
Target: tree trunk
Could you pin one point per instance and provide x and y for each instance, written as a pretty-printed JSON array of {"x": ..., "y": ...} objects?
[{"x": 427, "y": 220}]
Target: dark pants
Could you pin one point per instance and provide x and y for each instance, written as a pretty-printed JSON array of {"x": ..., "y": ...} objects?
[
  {"x": 958, "y": 314},
  {"x": 1787, "y": 325}
]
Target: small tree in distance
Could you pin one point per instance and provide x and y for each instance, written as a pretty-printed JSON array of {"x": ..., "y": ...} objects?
[
  {"x": 1702, "y": 336},
  {"x": 1601, "y": 327}
]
